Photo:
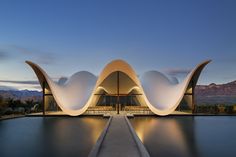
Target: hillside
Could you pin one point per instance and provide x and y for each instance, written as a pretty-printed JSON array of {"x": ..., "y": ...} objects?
[
  {"x": 216, "y": 93},
  {"x": 21, "y": 95}
]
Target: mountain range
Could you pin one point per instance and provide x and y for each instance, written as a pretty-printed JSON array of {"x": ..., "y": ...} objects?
[
  {"x": 216, "y": 93},
  {"x": 22, "y": 95}
]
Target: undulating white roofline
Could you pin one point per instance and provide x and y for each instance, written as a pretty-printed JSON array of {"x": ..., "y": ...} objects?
[{"x": 158, "y": 92}]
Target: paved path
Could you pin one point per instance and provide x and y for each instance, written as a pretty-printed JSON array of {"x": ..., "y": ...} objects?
[{"x": 119, "y": 141}]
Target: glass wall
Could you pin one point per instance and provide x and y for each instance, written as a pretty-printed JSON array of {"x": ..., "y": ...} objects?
[
  {"x": 187, "y": 103},
  {"x": 50, "y": 105},
  {"x": 106, "y": 100}
]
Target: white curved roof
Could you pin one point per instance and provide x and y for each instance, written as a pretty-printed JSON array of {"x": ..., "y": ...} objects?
[{"x": 160, "y": 94}]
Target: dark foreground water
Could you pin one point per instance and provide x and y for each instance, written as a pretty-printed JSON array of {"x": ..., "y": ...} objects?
[
  {"x": 51, "y": 136},
  {"x": 186, "y": 136}
]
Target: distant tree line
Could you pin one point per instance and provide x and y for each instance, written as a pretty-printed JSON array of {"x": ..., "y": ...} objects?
[
  {"x": 215, "y": 109},
  {"x": 208, "y": 108},
  {"x": 12, "y": 106}
]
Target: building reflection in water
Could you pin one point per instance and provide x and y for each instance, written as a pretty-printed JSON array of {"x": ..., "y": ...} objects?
[
  {"x": 72, "y": 136},
  {"x": 169, "y": 137},
  {"x": 50, "y": 136}
]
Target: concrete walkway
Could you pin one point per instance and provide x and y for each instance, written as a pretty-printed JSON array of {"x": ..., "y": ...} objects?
[{"x": 118, "y": 140}]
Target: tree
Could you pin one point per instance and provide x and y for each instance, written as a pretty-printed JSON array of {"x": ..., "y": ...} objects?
[
  {"x": 10, "y": 102},
  {"x": 1, "y": 100},
  {"x": 1, "y": 105},
  {"x": 29, "y": 103}
]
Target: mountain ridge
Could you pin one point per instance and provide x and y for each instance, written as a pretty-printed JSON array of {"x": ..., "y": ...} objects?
[{"x": 22, "y": 95}]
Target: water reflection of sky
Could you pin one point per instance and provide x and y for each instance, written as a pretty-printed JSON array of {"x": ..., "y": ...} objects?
[
  {"x": 54, "y": 136},
  {"x": 187, "y": 136}
]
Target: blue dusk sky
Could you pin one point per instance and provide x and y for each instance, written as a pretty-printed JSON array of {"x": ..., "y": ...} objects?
[{"x": 65, "y": 37}]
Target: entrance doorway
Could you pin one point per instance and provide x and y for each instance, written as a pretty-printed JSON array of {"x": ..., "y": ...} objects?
[
  {"x": 125, "y": 101},
  {"x": 116, "y": 96}
]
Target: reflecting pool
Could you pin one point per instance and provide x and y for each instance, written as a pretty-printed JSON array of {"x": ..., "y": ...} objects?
[
  {"x": 187, "y": 136},
  {"x": 49, "y": 136}
]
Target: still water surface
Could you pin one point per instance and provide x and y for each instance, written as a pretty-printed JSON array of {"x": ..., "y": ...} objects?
[
  {"x": 49, "y": 136},
  {"x": 187, "y": 136}
]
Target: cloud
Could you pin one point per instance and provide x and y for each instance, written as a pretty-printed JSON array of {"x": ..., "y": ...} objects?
[
  {"x": 46, "y": 59},
  {"x": 13, "y": 88},
  {"x": 21, "y": 49},
  {"x": 33, "y": 87},
  {"x": 4, "y": 55},
  {"x": 7, "y": 88},
  {"x": 62, "y": 80},
  {"x": 39, "y": 56},
  {"x": 21, "y": 82},
  {"x": 19, "y": 85},
  {"x": 177, "y": 71},
  {"x": 225, "y": 59},
  {"x": 231, "y": 77}
]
